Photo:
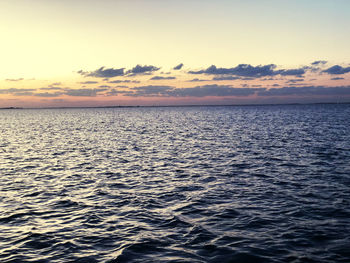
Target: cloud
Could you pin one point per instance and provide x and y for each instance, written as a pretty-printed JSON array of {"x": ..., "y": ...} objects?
[
  {"x": 104, "y": 86},
  {"x": 138, "y": 69},
  {"x": 294, "y": 80},
  {"x": 291, "y": 72},
  {"x": 112, "y": 72},
  {"x": 229, "y": 91},
  {"x": 178, "y": 67},
  {"x": 337, "y": 70},
  {"x": 319, "y": 62},
  {"x": 151, "y": 90},
  {"x": 88, "y": 82},
  {"x": 83, "y": 92},
  {"x": 51, "y": 88},
  {"x": 306, "y": 91},
  {"x": 114, "y": 92},
  {"x": 213, "y": 90},
  {"x": 24, "y": 93},
  {"x": 266, "y": 79},
  {"x": 198, "y": 80},
  {"x": 246, "y": 70},
  {"x": 161, "y": 78},
  {"x": 19, "y": 79},
  {"x": 15, "y": 91},
  {"x": 226, "y": 78},
  {"x": 198, "y": 91},
  {"x": 124, "y": 81},
  {"x": 125, "y": 91},
  {"x": 337, "y": 78},
  {"x": 103, "y": 73},
  {"x": 48, "y": 94}
]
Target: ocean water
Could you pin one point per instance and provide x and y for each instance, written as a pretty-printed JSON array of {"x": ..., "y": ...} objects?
[{"x": 176, "y": 184}]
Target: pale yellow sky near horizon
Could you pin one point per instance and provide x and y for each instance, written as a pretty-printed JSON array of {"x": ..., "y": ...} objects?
[{"x": 51, "y": 40}]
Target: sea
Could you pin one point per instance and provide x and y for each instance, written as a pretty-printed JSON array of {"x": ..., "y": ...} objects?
[{"x": 246, "y": 184}]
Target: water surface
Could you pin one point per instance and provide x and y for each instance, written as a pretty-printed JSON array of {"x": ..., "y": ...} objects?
[{"x": 176, "y": 184}]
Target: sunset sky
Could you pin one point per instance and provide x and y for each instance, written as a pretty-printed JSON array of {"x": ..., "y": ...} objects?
[{"x": 56, "y": 53}]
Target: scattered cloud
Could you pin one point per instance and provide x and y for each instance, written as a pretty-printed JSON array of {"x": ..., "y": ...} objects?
[
  {"x": 246, "y": 70},
  {"x": 306, "y": 91},
  {"x": 266, "y": 79},
  {"x": 124, "y": 81},
  {"x": 83, "y": 92},
  {"x": 198, "y": 91},
  {"x": 225, "y": 78},
  {"x": 337, "y": 70},
  {"x": 198, "y": 80},
  {"x": 48, "y": 94},
  {"x": 138, "y": 69},
  {"x": 51, "y": 88},
  {"x": 294, "y": 80},
  {"x": 240, "y": 70},
  {"x": 178, "y": 67},
  {"x": 125, "y": 91},
  {"x": 284, "y": 82},
  {"x": 15, "y": 91},
  {"x": 319, "y": 62},
  {"x": 228, "y": 90},
  {"x": 88, "y": 82},
  {"x": 151, "y": 90},
  {"x": 291, "y": 72},
  {"x": 161, "y": 78},
  {"x": 103, "y": 73},
  {"x": 24, "y": 93},
  {"x": 19, "y": 79},
  {"x": 114, "y": 92},
  {"x": 213, "y": 90},
  {"x": 107, "y": 73}
]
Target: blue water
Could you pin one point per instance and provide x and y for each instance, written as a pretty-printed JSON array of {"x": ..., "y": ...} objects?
[{"x": 176, "y": 184}]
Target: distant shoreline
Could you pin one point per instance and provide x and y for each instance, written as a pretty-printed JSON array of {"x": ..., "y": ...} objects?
[{"x": 172, "y": 106}]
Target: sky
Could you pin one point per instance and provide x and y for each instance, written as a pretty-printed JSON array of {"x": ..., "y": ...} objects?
[{"x": 62, "y": 53}]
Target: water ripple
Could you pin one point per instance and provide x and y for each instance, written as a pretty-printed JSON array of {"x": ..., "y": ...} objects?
[{"x": 176, "y": 184}]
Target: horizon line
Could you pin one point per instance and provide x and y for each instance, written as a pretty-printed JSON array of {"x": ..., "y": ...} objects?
[{"x": 168, "y": 106}]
